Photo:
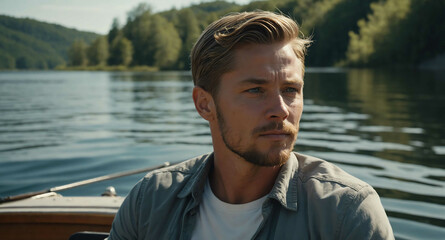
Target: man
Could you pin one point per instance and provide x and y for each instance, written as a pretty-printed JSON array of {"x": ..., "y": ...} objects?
[{"x": 248, "y": 72}]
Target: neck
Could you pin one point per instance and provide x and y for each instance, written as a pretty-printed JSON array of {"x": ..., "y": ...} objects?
[{"x": 234, "y": 180}]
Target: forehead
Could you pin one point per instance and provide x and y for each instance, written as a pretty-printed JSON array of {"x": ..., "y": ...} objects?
[{"x": 265, "y": 61}]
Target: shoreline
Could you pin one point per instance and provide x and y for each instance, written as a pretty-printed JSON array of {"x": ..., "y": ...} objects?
[
  {"x": 119, "y": 68},
  {"x": 436, "y": 64}
]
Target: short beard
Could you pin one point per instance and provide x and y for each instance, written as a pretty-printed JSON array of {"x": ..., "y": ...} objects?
[{"x": 251, "y": 154}]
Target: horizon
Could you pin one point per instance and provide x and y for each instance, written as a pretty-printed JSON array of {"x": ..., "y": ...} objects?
[{"x": 82, "y": 15}]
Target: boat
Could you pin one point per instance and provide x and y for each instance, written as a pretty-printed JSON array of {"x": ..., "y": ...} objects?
[
  {"x": 54, "y": 216},
  {"x": 49, "y": 215}
]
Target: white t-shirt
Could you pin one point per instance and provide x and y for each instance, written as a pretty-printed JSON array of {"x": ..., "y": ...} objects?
[{"x": 221, "y": 220}]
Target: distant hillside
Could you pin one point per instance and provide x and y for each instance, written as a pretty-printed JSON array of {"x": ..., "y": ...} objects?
[
  {"x": 29, "y": 44},
  {"x": 366, "y": 33}
]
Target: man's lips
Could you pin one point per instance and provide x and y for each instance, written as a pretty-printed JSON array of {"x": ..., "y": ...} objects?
[
  {"x": 275, "y": 135},
  {"x": 276, "y": 131}
]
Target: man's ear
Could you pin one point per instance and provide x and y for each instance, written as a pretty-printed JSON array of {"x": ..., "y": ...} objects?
[{"x": 204, "y": 103}]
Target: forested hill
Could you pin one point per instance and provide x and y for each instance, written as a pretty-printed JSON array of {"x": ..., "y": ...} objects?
[
  {"x": 31, "y": 44},
  {"x": 356, "y": 33}
]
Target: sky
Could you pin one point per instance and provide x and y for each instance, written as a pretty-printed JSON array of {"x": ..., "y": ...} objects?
[{"x": 86, "y": 15}]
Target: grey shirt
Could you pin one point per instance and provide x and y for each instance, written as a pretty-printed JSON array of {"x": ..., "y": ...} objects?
[{"x": 311, "y": 199}]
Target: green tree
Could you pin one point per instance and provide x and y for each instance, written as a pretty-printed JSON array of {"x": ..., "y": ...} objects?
[
  {"x": 138, "y": 11},
  {"x": 260, "y": 5},
  {"x": 330, "y": 28},
  {"x": 41, "y": 64},
  {"x": 77, "y": 53},
  {"x": 156, "y": 40},
  {"x": 297, "y": 9},
  {"x": 98, "y": 52},
  {"x": 37, "y": 45},
  {"x": 385, "y": 17},
  {"x": 121, "y": 52},
  {"x": 114, "y": 31},
  {"x": 25, "y": 62},
  {"x": 188, "y": 29},
  {"x": 138, "y": 31},
  {"x": 118, "y": 45},
  {"x": 424, "y": 42},
  {"x": 399, "y": 32},
  {"x": 165, "y": 43},
  {"x": 6, "y": 61}
]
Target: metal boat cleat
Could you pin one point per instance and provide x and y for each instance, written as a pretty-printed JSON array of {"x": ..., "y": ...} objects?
[{"x": 110, "y": 192}]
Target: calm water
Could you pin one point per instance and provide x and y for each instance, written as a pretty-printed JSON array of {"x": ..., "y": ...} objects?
[{"x": 387, "y": 128}]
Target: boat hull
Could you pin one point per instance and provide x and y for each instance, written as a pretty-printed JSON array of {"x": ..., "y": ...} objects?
[{"x": 57, "y": 217}]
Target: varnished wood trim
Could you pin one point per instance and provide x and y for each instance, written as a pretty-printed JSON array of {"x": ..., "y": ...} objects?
[{"x": 50, "y": 226}]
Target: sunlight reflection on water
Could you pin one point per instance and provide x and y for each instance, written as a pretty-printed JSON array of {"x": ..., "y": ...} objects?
[{"x": 60, "y": 127}]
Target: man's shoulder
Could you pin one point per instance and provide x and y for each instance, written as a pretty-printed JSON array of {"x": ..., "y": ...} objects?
[
  {"x": 186, "y": 167},
  {"x": 173, "y": 180},
  {"x": 313, "y": 170},
  {"x": 174, "y": 175},
  {"x": 358, "y": 213}
]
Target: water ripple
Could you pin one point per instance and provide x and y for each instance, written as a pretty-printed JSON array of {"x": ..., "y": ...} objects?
[{"x": 61, "y": 127}]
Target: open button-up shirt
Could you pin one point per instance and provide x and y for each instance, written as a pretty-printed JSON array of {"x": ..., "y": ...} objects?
[{"x": 311, "y": 199}]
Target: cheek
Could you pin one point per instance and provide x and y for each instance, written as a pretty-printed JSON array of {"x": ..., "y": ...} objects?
[
  {"x": 296, "y": 110},
  {"x": 242, "y": 108},
  {"x": 233, "y": 114}
]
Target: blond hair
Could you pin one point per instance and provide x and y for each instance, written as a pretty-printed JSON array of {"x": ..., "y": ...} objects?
[{"x": 213, "y": 53}]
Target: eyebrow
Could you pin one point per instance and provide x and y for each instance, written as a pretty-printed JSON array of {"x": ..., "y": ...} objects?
[{"x": 260, "y": 81}]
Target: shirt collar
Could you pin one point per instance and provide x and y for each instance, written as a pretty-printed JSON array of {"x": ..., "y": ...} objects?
[
  {"x": 195, "y": 185},
  {"x": 284, "y": 189}
]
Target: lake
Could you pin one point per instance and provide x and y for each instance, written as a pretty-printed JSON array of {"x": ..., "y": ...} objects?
[{"x": 384, "y": 127}]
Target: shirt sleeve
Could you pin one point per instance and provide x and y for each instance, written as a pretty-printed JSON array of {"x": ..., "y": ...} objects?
[
  {"x": 365, "y": 218},
  {"x": 125, "y": 223}
]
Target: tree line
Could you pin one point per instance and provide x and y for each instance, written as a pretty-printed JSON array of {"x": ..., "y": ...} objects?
[
  {"x": 31, "y": 44},
  {"x": 344, "y": 32},
  {"x": 364, "y": 33},
  {"x": 161, "y": 40}
]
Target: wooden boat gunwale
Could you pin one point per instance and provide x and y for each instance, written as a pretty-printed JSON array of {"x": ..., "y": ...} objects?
[
  {"x": 56, "y": 217},
  {"x": 48, "y": 215}
]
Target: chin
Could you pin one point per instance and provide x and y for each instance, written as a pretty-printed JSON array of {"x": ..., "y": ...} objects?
[
  {"x": 281, "y": 158},
  {"x": 268, "y": 159}
]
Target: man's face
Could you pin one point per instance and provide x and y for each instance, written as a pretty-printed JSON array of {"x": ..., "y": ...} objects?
[{"x": 260, "y": 102}]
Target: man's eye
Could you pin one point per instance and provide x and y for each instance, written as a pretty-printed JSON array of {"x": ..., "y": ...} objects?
[
  {"x": 254, "y": 90},
  {"x": 290, "y": 90}
]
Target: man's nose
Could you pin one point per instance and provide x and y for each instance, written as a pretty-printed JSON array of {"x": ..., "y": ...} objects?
[{"x": 278, "y": 109}]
